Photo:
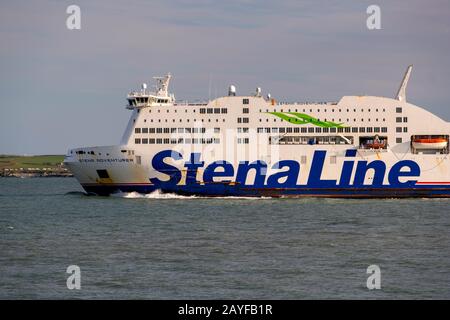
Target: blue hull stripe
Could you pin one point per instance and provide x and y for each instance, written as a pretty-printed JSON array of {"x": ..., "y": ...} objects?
[{"x": 214, "y": 190}]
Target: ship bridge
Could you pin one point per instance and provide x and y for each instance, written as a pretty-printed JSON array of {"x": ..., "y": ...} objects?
[{"x": 145, "y": 98}]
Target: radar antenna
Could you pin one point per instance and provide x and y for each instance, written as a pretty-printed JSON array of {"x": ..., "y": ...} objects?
[{"x": 162, "y": 85}]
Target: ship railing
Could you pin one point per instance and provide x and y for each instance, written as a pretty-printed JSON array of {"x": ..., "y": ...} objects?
[{"x": 193, "y": 104}]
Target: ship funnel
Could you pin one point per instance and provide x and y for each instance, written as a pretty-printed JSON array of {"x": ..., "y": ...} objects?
[
  {"x": 258, "y": 92},
  {"x": 269, "y": 96},
  {"x": 232, "y": 90},
  {"x": 401, "y": 94}
]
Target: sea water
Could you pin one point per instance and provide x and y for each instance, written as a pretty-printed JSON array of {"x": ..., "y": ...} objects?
[{"x": 165, "y": 246}]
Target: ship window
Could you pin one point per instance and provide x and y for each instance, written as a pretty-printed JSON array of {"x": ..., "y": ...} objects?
[
  {"x": 333, "y": 130},
  {"x": 282, "y": 130},
  {"x": 245, "y": 110},
  {"x": 158, "y": 130},
  {"x": 239, "y": 120},
  {"x": 405, "y": 129},
  {"x": 180, "y": 140},
  {"x": 145, "y": 141},
  {"x": 398, "y": 129},
  {"x": 152, "y": 130},
  {"x": 103, "y": 174},
  {"x": 405, "y": 119},
  {"x": 297, "y": 130},
  {"x": 173, "y": 141},
  {"x": 376, "y": 129},
  {"x": 354, "y": 129},
  {"x": 398, "y": 119},
  {"x": 288, "y": 130},
  {"x": 338, "y": 129},
  {"x": 398, "y": 140},
  {"x": 398, "y": 110},
  {"x": 166, "y": 140},
  {"x": 245, "y": 101},
  {"x": 216, "y": 130},
  {"x": 224, "y": 110},
  {"x": 347, "y": 129},
  {"x": 274, "y": 130},
  {"x": 137, "y": 141},
  {"x": 202, "y": 110},
  {"x": 383, "y": 129},
  {"x": 209, "y": 110},
  {"x": 137, "y": 130},
  {"x": 151, "y": 141},
  {"x": 369, "y": 129},
  {"x": 173, "y": 130},
  {"x": 216, "y": 110},
  {"x": 244, "y": 120},
  {"x": 318, "y": 130},
  {"x": 144, "y": 130},
  {"x": 310, "y": 130},
  {"x": 303, "y": 130},
  {"x": 166, "y": 130},
  {"x": 159, "y": 141},
  {"x": 362, "y": 129}
]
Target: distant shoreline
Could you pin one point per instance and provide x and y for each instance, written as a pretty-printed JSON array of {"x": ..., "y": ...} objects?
[{"x": 15, "y": 166}]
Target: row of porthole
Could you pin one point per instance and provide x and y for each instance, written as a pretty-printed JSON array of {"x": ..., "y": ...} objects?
[
  {"x": 318, "y": 110},
  {"x": 339, "y": 120}
]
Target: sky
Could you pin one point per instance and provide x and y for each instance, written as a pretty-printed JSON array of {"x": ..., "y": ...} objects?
[{"x": 62, "y": 88}]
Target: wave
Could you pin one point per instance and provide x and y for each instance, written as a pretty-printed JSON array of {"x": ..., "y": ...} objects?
[
  {"x": 158, "y": 194},
  {"x": 77, "y": 193}
]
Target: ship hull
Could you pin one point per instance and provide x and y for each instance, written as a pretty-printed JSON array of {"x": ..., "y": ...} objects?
[
  {"x": 384, "y": 178},
  {"x": 436, "y": 191}
]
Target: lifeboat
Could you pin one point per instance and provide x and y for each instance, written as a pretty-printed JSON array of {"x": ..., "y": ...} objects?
[
  {"x": 375, "y": 145},
  {"x": 430, "y": 143}
]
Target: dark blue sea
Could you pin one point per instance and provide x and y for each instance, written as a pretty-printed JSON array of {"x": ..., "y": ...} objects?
[{"x": 132, "y": 246}]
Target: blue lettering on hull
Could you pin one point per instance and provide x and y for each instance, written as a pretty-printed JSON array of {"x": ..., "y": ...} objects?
[{"x": 402, "y": 178}]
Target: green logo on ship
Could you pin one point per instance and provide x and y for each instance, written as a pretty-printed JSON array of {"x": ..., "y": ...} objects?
[{"x": 301, "y": 118}]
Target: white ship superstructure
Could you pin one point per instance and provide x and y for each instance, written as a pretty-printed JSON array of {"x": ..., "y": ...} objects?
[{"x": 360, "y": 146}]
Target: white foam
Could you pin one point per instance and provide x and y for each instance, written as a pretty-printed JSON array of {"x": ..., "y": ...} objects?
[{"x": 157, "y": 194}]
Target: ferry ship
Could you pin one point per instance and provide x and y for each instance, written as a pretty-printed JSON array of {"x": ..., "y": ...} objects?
[{"x": 253, "y": 145}]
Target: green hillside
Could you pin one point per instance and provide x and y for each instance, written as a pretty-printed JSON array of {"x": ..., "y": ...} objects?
[{"x": 16, "y": 162}]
